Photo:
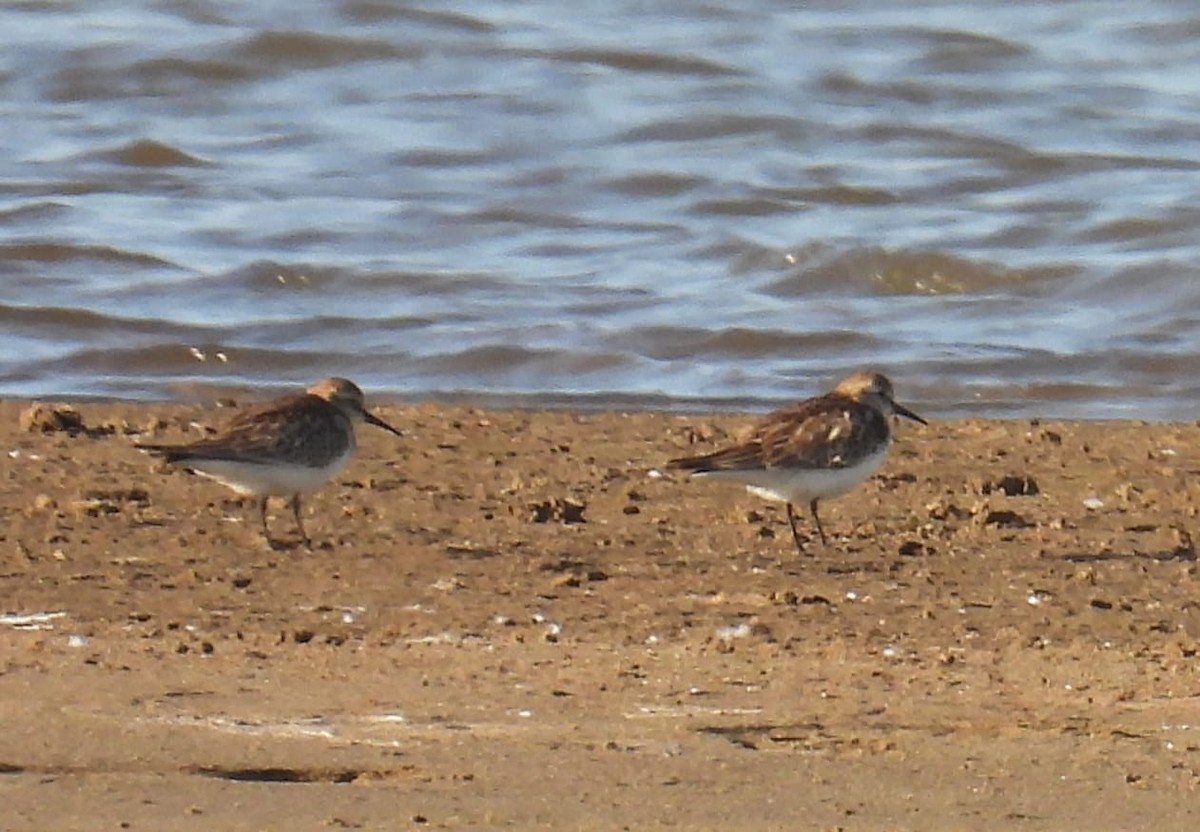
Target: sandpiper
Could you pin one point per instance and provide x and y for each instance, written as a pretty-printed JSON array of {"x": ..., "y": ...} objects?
[
  {"x": 283, "y": 448},
  {"x": 820, "y": 447}
]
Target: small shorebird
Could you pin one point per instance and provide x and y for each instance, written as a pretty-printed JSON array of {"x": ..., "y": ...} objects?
[
  {"x": 820, "y": 447},
  {"x": 283, "y": 448}
]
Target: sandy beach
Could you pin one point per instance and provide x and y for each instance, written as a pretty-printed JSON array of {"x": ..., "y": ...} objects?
[{"x": 515, "y": 620}]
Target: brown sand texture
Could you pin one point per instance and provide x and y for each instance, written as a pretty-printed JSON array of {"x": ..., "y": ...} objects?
[{"x": 517, "y": 620}]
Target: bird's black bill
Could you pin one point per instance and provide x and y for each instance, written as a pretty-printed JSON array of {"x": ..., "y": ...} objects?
[
  {"x": 372, "y": 419},
  {"x": 901, "y": 410}
]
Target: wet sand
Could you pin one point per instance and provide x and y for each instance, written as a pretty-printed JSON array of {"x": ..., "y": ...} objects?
[{"x": 512, "y": 620}]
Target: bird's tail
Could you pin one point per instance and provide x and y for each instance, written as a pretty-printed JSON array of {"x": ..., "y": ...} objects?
[
  {"x": 693, "y": 464},
  {"x": 167, "y": 453}
]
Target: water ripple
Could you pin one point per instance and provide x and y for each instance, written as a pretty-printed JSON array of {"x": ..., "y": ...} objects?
[{"x": 605, "y": 204}]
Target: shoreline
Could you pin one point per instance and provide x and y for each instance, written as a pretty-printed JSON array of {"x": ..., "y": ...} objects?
[
  {"x": 1003, "y": 628},
  {"x": 204, "y": 396}
]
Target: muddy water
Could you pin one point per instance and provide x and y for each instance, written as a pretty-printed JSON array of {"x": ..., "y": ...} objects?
[{"x": 601, "y": 203}]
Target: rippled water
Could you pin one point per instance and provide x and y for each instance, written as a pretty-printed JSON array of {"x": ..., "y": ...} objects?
[{"x": 689, "y": 204}]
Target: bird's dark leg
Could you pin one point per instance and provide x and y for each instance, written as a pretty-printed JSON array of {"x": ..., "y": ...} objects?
[
  {"x": 791, "y": 512},
  {"x": 262, "y": 516},
  {"x": 813, "y": 508},
  {"x": 295, "y": 503}
]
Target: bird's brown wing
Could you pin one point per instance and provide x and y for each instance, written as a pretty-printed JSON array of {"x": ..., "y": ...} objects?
[
  {"x": 293, "y": 428},
  {"x": 826, "y": 432}
]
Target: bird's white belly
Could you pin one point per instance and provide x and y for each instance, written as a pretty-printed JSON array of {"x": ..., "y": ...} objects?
[
  {"x": 802, "y": 485},
  {"x": 276, "y": 479}
]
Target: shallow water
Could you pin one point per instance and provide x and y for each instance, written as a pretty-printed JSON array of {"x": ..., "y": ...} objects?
[{"x": 599, "y": 204}]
